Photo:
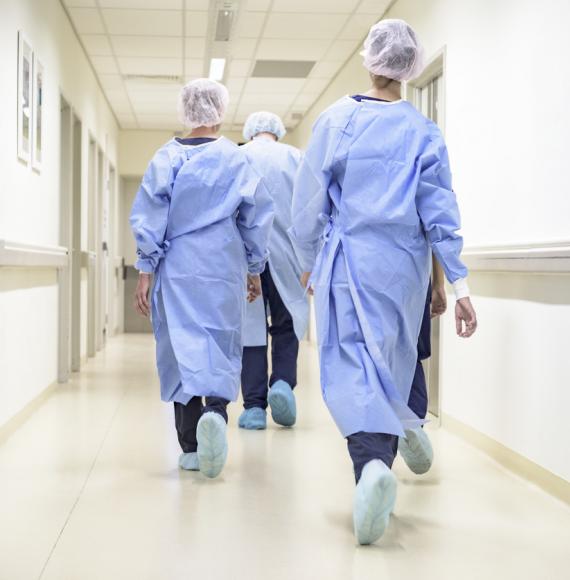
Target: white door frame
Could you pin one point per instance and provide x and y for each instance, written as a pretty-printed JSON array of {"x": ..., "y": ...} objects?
[{"x": 435, "y": 68}]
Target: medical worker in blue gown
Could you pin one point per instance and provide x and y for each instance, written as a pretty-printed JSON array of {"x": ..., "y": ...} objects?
[
  {"x": 284, "y": 297},
  {"x": 373, "y": 199},
  {"x": 201, "y": 219}
]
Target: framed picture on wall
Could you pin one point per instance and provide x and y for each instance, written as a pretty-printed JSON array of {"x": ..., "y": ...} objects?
[
  {"x": 24, "y": 98},
  {"x": 37, "y": 113}
]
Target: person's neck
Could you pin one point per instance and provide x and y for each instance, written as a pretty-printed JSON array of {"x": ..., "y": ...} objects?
[
  {"x": 265, "y": 135},
  {"x": 392, "y": 92},
  {"x": 202, "y": 132}
]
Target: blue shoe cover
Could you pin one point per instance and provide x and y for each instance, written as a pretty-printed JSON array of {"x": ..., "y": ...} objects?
[
  {"x": 416, "y": 450},
  {"x": 374, "y": 500},
  {"x": 282, "y": 402},
  {"x": 188, "y": 461},
  {"x": 254, "y": 418},
  {"x": 212, "y": 444}
]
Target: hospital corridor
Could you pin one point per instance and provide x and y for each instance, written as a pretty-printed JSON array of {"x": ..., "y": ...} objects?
[{"x": 284, "y": 290}]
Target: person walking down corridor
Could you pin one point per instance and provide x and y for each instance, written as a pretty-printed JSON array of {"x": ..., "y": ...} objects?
[
  {"x": 283, "y": 295},
  {"x": 201, "y": 220},
  {"x": 373, "y": 196}
]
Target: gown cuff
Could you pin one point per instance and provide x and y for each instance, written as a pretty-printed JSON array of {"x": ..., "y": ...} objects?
[{"x": 461, "y": 288}]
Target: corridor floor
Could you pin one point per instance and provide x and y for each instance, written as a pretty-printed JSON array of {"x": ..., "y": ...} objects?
[{"x": 91, "y": 491}]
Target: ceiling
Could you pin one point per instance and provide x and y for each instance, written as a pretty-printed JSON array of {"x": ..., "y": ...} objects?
[{"x": 143, "y": 50}]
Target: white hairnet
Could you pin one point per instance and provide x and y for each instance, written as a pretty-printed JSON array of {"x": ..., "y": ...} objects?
[
  {"x": 392, "y": 50},
  {"x": 203, "y": 103},
  {"x": 263, "y": 122}
]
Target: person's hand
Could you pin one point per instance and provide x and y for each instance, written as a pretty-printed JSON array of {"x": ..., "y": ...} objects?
[
  {"x": 305, "y": 281},
  {"x": 465, "y": 318},
  {"x": 253, "y": 287},
  {"x": 141, "y": 294},
  {"x": 438, "y": 301}
]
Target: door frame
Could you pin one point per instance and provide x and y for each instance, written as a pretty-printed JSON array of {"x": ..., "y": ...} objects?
[{"x": 435, "y": 68}]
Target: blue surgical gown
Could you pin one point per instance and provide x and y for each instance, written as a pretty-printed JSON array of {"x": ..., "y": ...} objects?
[
  {"x": 372, "y": 196},
  {"x": 201, "y": 219},
  {"x": 278, "y": 164}
]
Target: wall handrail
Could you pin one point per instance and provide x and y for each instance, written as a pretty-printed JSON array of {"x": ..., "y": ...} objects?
[
  {"x": 20, "y": 255},
  {"x": 541, "y": 257}
]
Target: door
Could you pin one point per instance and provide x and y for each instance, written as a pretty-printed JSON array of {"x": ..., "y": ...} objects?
[
  {"x": 427, "y": 95},
  {"x": 65, "y": 237},
  {"x": 75, "y": 247}
]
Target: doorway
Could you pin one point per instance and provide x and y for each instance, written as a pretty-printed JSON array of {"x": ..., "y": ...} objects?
[
  {"x": 92, "y": 249},
  {"x": 427, "y": 93},
  {"x": 75, "y": 246}
]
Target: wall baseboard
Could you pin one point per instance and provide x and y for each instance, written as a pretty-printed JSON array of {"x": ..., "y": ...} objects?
[
  {"x": 511, "y": 460},
  {"x": 17, "y": 420}
]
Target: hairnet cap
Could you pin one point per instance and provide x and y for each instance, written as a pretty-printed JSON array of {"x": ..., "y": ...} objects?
[
  {"x": 263, "y": 122},
  {"x": 392, "y": 50},
  {"x": 203, "y": 103}
]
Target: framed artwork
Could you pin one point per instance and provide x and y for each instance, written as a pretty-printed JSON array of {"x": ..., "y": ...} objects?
[
  {"x": 24, "y": 98},
  {"x": 37, "y": 113}
]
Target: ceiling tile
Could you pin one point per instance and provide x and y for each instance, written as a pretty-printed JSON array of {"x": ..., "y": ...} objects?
[
  {"x": 87, "y": 20},
  {"x": 316, "y": 85},
  {"x": 243, "y": 47},
  {"x": 141, "y": 46},
  {"x": 235, "y": 85},
  {"x": 150, "y": 66},
  {"x": 118, "y": 96},
  {"x": 163, "y": 108},
  {"x": 81, "y": 3},
  {"x": 144, "y": 22},
  {"x": 250, "y": 24},
  {"x": 306, "y": 99},
  {"x": 195, "y": 47},
  {"x": 143, "y": 4},
  {"x": 376, "y": 7},
  {"x": 196, "y": 23},
  {"x": 280, "y": 49},
  {"x": 257, "y": 5},
  {"x": 326, "y": 69},
  {"x": 194, "y": 68},
  {"x": 104, "y": 64},
  {"x": 97, "y": 44},
  {"x": 272, "y": 85},
  {"x": 240, "y": 68},
  {"x": 358, "y": 26},
  {"x": 111, "y": 81},
  {"x": 315, "y": 6},
  {"x": 264, "y": 100},
  {"x": 342, "y": 50},
  {"x": 321, "y": 26},
  {"x": 147, "y": 92}
]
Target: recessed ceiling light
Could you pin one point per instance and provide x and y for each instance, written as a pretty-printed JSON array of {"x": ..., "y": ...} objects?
[{"x": 217, "y": 68}]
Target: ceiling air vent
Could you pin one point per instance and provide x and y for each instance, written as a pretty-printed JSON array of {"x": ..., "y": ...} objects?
[
  {"x": 283, "y": 69},
  {"x": 224, "y": 24}
]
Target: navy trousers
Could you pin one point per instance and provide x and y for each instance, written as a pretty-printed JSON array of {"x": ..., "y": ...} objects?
[
  {"x": 186, "y": 418},
  {"x": 284, "y": 351},
  {"x": 362, "y": 446}
]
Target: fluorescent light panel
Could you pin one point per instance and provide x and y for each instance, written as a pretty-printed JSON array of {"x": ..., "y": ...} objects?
[{"x": 217, "y": 68}]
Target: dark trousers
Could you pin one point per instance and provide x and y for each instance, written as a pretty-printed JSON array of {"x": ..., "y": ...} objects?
[
  {"x": 362, "y": 446},
  {"x": 186, "y": 418},
  {"x": 284, "y": 351}
]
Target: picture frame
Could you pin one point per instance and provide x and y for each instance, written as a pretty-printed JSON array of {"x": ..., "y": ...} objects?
[
  {"x": 24, "y": 98},
  {"x": 37, "y": 113}
]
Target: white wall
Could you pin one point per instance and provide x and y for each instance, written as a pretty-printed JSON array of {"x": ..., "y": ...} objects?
[
  {"x": 507, "y": 124},
  {"x": 29, "y": 201}
]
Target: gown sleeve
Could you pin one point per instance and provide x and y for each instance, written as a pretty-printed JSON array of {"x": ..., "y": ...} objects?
[
  {"x": 255, "y": 218},
  {"x": 149, "y": 215},
  {"x": 311, "y": 205},
  {"x": 438, "y": 209}
]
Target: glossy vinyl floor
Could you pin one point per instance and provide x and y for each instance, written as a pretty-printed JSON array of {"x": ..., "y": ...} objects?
[{"x": 91, "y": 490}]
